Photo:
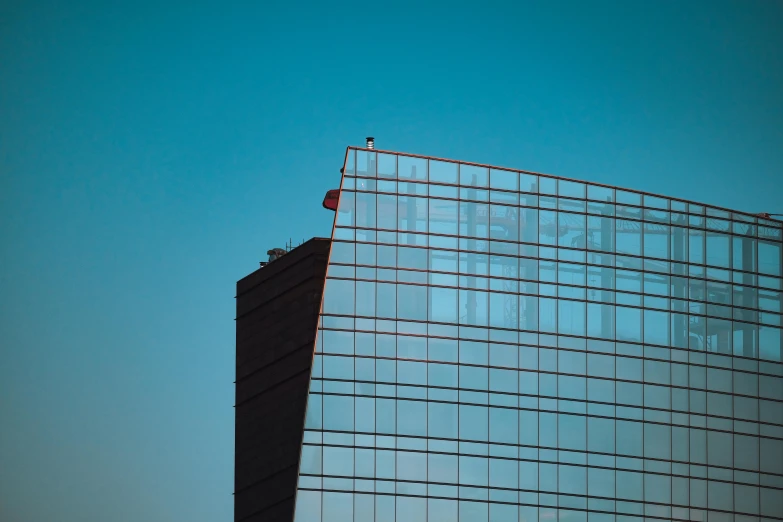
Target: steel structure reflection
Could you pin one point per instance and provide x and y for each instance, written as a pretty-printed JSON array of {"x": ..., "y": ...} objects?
[{"x": 499, "y": 345}]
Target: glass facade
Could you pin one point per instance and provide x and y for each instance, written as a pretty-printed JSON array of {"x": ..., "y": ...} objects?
[{"x": 497, "y": 345}]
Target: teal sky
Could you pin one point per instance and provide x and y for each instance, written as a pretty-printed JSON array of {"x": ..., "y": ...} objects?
[{"x": 150, "y": 154}]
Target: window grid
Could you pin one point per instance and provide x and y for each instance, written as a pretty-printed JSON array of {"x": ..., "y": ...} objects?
[{"x": 656, "y": 319}]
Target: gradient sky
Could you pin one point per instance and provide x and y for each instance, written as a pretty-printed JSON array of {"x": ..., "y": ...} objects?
[{"x": 150, "y": 154}]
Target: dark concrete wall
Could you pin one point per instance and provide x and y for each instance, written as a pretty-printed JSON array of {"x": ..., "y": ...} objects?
[{"x": 277, "y": 314}]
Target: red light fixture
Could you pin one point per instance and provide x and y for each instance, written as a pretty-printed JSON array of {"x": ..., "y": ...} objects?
[{"x": 331, "y": 199}]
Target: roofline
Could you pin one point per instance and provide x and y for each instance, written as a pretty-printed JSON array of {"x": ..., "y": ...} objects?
[{"x": 772, "y": 221}]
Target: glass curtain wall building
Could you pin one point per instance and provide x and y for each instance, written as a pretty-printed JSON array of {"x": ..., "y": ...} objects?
[{"x": 497, "y": 345}]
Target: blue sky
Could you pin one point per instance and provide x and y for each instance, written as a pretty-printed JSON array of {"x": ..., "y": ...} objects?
[{"x": 150, "y": 154}]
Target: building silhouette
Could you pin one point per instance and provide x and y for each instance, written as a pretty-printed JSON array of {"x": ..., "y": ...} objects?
[{"x": 499, "y": 345}]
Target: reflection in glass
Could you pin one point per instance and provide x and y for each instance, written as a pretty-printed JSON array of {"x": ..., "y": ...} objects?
[{"x": 526, "y": 354}]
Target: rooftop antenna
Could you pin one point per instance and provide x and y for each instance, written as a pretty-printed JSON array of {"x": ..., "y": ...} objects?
[{"x": 370, "y": 142}]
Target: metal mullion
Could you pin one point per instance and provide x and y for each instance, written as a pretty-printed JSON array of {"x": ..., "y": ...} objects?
[
  {"x": 640, "y": 294},
  {"x": 672, "y": 461},
  {"x": 558, "y": 178},
  {"x": 566, "y": 335},
  {"x": 614, "y": 253}
]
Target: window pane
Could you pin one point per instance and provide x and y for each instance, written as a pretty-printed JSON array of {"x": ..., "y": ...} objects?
[
  {"x": 628, "y": 237},
  {"x": 657, "y": 488},
  {"x": 503, "y": 425},
  {"x": 385, "y": 416},
  {"x": 770, "y": 343},
  {"x": 365, "y": 413},
  {"x": 474, "y": 471},
  {"x": 572, "y": 479},
  {"x": 473, "y": 422},
  {"x": 629, "y": 324},
  {"x": 630, "y": 485},
  {"x": 600, "y": 435},
  {"x": 384, "y": 508},
  {"x": 442, "y": 468},
  {"x": 473, "y": 176},
  {"x": 504, "y": 179},
  {"x": 308, "y": 506},
  {"x": 338, "y": 461},
  {"x": 314, "y": 416},
  {"x": 413, "y": 258},
  {"x": 411, "y": 168},
  {"x": 572, "y": 432},
  {"x": 657, "y": 441},
  {"x": 412, "y": 417},
  {"x": 444, "y": 217},
  {"x": 629, "y": 438},
  {"x": 528, "y": 475},
  {"x": 720, "y": 495},
  {"x": 442, "y": 420},
  {"x": 769, "y": 258},
  {"x": 338, "y": 297},
  {"x": 471, "y": 377},
  {"x": 656, "y": 327},
  {"x": 601, "y": 482},
  {"x": 443, "y": 172},
  {"x": 503, "y": 513},
  {"x": 365, "y": 298},
  {"x": 346, "y": 209},
  {"x": 387, "y": 211},
  {"x": 366, "y": 204},
  {"x": 473, "y": 511},
  {"x": 386, "y": 304},
  {"x": 412, "y": 302},
  {"x": 337, "y": 507},
  {"x": 718, "y": 250},
  {"x": 746, "y": 498},
  {"x": 338, "y": 367},
  {"x": 503, "y": 473},
  {"x": 338, "y": 413},
  {"x": 311, "y": 460},
  {"x": 771, "y": 502},
  {"x": 411, "y": 509},
  {"x": 411, "y": 466},
  {"x": 443, "y": 306},
  {"x": 571, "y": 318},
  {"x": 528, "y": 427}
]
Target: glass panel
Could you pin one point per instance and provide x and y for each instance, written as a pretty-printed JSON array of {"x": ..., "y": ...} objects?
[
  {"x": 387, "y": 165},
  {"x": 770, "y": 343},
  {"x": 473, "y": 176},
  {"x": 339, "y": 297},
  {"x": 718, "y": 249},
  {"x": 308, "y": 506},
  {"x": 338, "y": 413},
  {"x": 440, "y": 510},
  {"x": 547, "y": 185},
  {"x": 444, "y": 217},
  {"x": 412, "y": 302},
  {"x": 443, "y": 172},
  {"x": 571, "y": 230},
  {"x": 412, "y": 212},
  {"x": 503, "y": 179},
  {"x": 387, "y": 211},
  {"x": 653, "y": 415},
  {"x": 628, "y": 237},
  {"x": 411, "y": 509},
  {"x": 770, "y": 258},
  {"x": 528, "y": 182},
  {"x": 411, "y": 168}
]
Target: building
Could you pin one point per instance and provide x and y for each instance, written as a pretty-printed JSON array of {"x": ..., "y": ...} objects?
[
  {"x": 277, "y": 313},
  {"x": 497, "y": 345}
]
